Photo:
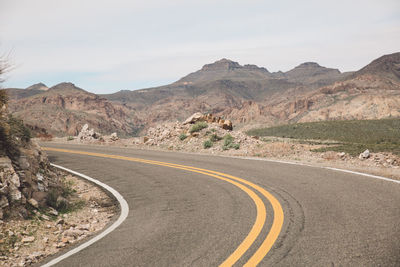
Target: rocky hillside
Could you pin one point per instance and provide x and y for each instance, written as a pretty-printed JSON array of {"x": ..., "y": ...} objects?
[
  {"x": 26, "y": 180},
  {"x": 63, "y": 110},
  {"x": 222, "y": 88},
  {"x": 247, "y": 94},
  {"x": 371, "y": 93}
]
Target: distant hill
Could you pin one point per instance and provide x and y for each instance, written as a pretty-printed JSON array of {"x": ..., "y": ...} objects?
[
  {"x": 38, "y": 86},
  {"x": 246, "y": 94},
  {"x": 64, "y": 108},
  {"x": 311, "y": 73},
  {"x": 386, "y": 66},
  {"x": 370, "y": 93},
  {"x": 220, "y": 87}
]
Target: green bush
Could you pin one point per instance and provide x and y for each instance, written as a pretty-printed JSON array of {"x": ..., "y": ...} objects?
[
  {"x": 353, "y": 136},
  {"x": 228, "y": 140},
  {"x": 207, "y": 144},
  {"x": 215, "y": 138},
  {"x": 235, "y": 146},
  {"x": 51, "y": 199},
  {"x": 19, "y": 130},
  {"x": 13, "y": 134},
  {"x": 70, "y": 138},
  {"x": 228, "y": 143},
  {"x": 198, "y": 126},
  {"x": 182, "y": 136}
]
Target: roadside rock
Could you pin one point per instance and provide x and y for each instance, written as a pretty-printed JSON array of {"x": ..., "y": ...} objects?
[
  {"x": 364, "y": 155},
  {"x": 209, "y": 118},
  {"x": 179, "y": 136},
  {"x": 87, "y": 134},
  {"x": 114, "y": 137}
]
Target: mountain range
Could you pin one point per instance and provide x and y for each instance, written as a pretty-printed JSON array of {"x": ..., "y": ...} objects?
[{"x": 246, "y": 94}]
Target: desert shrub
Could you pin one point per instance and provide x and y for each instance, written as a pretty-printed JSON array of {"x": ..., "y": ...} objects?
[
  {"x": 228, "y": 140},
  {"x": 19, "y": 130},
  {"x": 353, "y": 136},
  {"x": 67, "y": 189},
  {"x": 207, "y": 144},
  {"x": 13, "y": 134},
  {"x": 228, "y": 143},
  {"x": 51, "y": 198},
  {"x": 70, "y": 138},
  {"x": 198, "y": 126},
  {"x": 215, "y": 138},
  {"x": 235, "y": 146},
  {"x": 182, "y": 136}
]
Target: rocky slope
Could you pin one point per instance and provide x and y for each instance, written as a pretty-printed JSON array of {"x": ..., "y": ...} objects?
[
  {"x": 249, "y": 95},
  {"x": 25, "y": 175},
  {"x": 63, "y": 109},
  {"x": 371, "y": 93},
  {"x": 224, "y": 88}
]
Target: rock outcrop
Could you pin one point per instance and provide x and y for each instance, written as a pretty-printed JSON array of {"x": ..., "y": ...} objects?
[
  {"x": 186, "y": 136},
  {"x": 87, "y": 134},
  {"x": 25, "y": 175},
  {"x": 224, "y": 124},
  {"x": 25, "y": 181}
]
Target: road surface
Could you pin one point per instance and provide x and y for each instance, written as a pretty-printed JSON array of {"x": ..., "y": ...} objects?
[{"x": 202, "y": 216}]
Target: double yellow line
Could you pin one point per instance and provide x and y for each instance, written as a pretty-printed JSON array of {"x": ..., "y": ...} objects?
[{"x": 244, "y": 185}]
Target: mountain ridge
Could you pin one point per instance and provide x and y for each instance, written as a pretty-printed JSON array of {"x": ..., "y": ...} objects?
[{"x": 245, "y": 94}]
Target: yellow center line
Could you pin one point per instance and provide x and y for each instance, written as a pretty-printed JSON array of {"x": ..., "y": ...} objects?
[{"x": 261, "y": 211}]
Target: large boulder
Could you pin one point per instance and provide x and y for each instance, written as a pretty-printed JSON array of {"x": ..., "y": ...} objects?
[
  {"x": 227, "y": 125},
  {"x": 364, "y": 155},
  {"x": 114, "y": 137},
  {"x": 194, "y": 118},
  {"x": 209, "y": 118},
  {"x": 87, "y": 134}
]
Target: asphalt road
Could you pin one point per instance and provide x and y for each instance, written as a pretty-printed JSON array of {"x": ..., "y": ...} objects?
[{"x": 179, "y": 217}]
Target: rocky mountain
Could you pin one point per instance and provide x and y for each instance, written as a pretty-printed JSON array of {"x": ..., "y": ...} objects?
[
  {"x": 38, "y": 86},
  {"x": 246, "y": 94},
  {"x": 370, "y": 93},
  {"x": 311, "y": 73},
  {"x": 220, "y": 87},
  {"x": 63, "y": 110},
  {"x": 386, "y": 66}
]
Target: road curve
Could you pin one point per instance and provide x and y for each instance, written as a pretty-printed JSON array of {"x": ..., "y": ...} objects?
[{"x": 186, "y": 217}]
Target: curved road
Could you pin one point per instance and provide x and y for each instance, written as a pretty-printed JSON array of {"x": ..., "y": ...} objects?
[{"x": 181, "y": 216}]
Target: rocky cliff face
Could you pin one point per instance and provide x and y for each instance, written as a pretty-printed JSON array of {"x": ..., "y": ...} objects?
[{"x": 25, "y": 175}]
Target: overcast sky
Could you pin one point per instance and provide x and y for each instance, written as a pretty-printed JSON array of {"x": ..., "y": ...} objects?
[{"x": 106, "y": 46}]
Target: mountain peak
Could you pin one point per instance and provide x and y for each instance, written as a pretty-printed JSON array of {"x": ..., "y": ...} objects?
[
  {"x": 387, "y": 65},
  {"x": 222, "y": 64},
  {"x": 38, "y": 86},
  {"x": 65, "y": 86},
  {"x": 309, "y": 65}
]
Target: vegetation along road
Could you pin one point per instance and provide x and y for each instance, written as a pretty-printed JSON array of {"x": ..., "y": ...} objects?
[{"x": 198, "y": 210}]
